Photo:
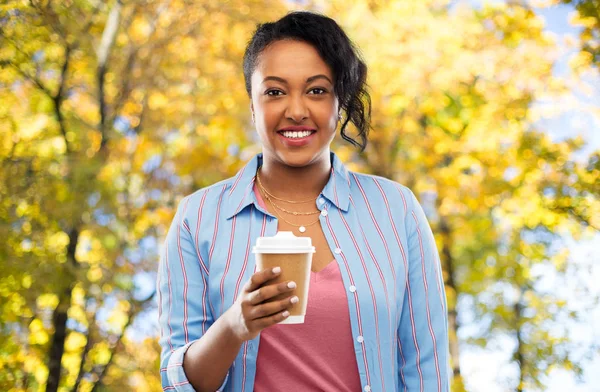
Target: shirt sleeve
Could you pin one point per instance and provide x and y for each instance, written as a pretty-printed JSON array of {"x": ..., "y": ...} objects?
[
  {"x": 184, "y": 313},
  {"x": 423, "y": 355}
]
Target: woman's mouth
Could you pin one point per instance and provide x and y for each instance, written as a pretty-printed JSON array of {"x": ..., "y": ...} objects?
[{"x": 296, "y": 138}]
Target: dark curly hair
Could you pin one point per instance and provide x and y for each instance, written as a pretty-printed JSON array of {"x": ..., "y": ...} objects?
[{"x": 336, "y": 49}]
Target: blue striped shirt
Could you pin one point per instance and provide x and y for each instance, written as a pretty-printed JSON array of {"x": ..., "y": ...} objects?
[{"x": 387, "y": 257}]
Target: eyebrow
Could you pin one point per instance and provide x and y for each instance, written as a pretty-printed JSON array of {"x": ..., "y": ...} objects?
[{"x": 312, "y": 78}]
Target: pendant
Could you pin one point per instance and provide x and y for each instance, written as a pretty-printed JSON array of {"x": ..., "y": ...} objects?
[{"x": 302, "y": 229}]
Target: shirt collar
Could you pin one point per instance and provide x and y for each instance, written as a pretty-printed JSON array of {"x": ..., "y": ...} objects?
[{"x": 240, "y": 195}]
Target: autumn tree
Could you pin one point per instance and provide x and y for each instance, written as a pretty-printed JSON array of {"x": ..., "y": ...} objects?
[
  {"x": 452, "y": 90},
  {"x": 101, "y": 103},
  {"x": 588, "y": 19},
  {"x": 110, "y": 112}
]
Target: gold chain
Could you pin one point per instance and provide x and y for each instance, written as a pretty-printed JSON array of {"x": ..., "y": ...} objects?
[
  {"x": 277, "y": 198},
  {"x": 288, "y": 222},
  {"x": 295, "y": 213}
]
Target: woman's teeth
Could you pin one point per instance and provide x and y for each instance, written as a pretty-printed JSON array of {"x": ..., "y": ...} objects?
[{"x": 295, "y": 134}]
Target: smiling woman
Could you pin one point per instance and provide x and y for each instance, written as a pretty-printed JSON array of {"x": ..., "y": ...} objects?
[
  {"x": 376, "y": 318},
  {"x": 294, "y": 106}
]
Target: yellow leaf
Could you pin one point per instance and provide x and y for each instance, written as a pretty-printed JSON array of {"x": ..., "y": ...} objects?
[
  {"x": 94, "y": 274},
  {"x": 37, "y": 333},
  {"x": 75, "y": 341},
  {"x": 47, "y": 301},
  {"x": 157, "y": 101}
]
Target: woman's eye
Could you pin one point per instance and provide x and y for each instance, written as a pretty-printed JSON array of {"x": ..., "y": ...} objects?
[
  {"x": 318, "y": 91},
  {"x": 274, "y": 93}
]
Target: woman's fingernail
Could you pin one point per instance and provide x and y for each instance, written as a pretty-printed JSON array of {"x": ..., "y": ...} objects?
[
  {"x": 291, "y": 285},
  {"x": 294, "y": 300},
  {"x": 285, "y": 314},
  {"x": 276, "y": 270}
]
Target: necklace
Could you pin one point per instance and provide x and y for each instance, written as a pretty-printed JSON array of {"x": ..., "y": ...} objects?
[
  {"x": 277, "y": 198},
  {"x": 301, "y": 228},
  {"x": 269, "y": 197},
  {"x": 295, "y": 213}
]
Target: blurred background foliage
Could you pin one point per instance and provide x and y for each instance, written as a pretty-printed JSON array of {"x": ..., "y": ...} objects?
[{"x": 112, "y": 111}]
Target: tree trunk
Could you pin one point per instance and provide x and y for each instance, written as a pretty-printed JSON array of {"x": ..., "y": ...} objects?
[
  {"x": 106, "y": 44},
  {"x": 450, "y": 283},
  {"x": 60, "y": 315},
  {"x": 519, "y": 356},
  {"x": 59, "y": 321}
]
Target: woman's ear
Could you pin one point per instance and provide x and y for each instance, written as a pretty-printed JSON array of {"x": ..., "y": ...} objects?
[{"x": 252, "y": 111}]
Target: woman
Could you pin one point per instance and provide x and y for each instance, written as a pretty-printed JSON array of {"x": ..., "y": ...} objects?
[{"x": 376, "y": 319}]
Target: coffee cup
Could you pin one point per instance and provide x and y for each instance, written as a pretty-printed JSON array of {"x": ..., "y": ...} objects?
[{"x": 294, "y": 256}]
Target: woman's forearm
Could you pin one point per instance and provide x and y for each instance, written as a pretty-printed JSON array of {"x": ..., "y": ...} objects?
[{"x": 207, "y": 360}]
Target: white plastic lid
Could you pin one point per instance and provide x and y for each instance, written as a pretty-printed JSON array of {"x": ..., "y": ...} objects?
[{"x": 283, "y": 242}]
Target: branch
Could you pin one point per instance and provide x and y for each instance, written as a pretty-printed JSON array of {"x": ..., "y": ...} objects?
[
  {"x": 578, "y": 216},
  {"x": 86, "y": 350},
  {"x": 108, "y": 40},
  {"x": 90, "y": 20},
  {"x": 126, "y": 85},
  {"x": 29, "y": 77},
  {"x": 582, "y": 219},
  {"x": 138, "y": 128},
  {"x": 136, "y": 307},
  {"x": 78, "y": 118},
  {"x": 50, "y": 18},
  {"x": 33, "y": 78},
  {"x": 130, "y": 64},
  {"x": 13, "y": 146},
  {"x": 59, "y": 98},
  {"x": 109, "y": 34}
]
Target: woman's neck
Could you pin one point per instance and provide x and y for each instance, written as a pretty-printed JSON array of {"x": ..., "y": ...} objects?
[{"x": 295, "y": 183}]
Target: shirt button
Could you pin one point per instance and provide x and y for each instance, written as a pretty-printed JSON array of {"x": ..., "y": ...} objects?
[
  {"x": 352, "y": 289},
  {"x": 360, "y": 339},
  {"x": 367, "y": 388},
  {"x": 337, "y": 251},
  {"x": 324, "y": 212},
  {"x": 321, "y": 200}
]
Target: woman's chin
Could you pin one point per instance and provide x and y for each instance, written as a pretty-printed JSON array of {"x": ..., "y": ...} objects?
[{"x": 298, "y": 158}]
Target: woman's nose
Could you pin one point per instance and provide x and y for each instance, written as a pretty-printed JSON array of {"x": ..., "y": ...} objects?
[{"x": 296, "y": 110}]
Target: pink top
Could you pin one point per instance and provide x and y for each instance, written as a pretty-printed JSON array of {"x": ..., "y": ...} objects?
[{"x": 317, "y": 355}]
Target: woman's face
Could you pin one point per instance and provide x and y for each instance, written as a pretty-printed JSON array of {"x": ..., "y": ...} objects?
[{"x": 294, "y": 105}]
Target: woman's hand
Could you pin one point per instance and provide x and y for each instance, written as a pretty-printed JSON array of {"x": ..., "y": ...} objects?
[{"x": 255, "y": 308}]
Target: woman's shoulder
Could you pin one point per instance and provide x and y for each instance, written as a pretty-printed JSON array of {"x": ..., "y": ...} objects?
[
  {"x": 378, "y": 185},
  {"x": 206, "y": 197}
]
